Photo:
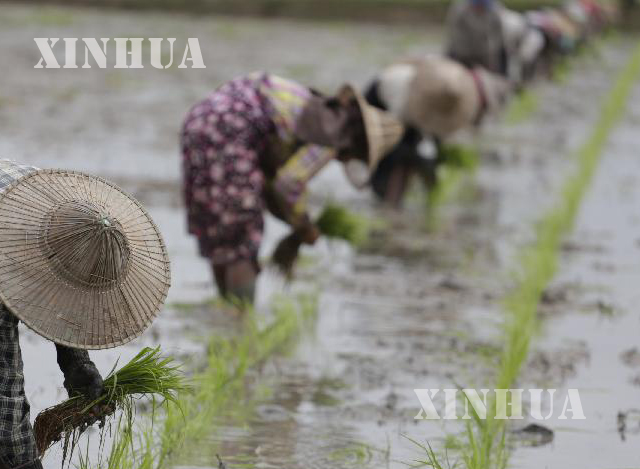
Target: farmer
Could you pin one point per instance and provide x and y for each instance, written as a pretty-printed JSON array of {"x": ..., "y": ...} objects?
[
  {"x": 396, "y": 169},
  {"x": 254, "y": 143},
  {"x": 434, "y": 97},
  {"x": 475, "y": 35},
  {"x": 523, "y": 45},
  {"x": 81, "y": 264}
]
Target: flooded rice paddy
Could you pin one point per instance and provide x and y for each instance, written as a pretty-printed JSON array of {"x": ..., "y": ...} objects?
[{"x": 414, "y": 308}]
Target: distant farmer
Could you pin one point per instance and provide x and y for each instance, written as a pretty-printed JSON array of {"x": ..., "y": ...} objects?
[
  {"x": 81, "y": 264},
  {"x": 475, "y": 35},
  {"x": 523, "y": 46},
  {"x": 434, "y": 97},
  {"x": 253, "y": 144}
]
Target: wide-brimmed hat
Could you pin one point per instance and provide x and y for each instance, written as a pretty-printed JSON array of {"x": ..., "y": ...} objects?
[
  {"x": 383, "y": 132},
  {"x": 81, "y": 261},
  {"x": 442, "y": 97}
]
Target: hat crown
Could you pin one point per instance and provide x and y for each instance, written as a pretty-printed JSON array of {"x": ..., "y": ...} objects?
[{"x": 85, "y": 246}]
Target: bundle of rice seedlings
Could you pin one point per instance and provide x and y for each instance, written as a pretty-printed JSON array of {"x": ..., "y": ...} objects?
[
  {"x": 458, "y": 156},
  {"x": 148, "y": 374},
  {"x": 338, "y": 222}
]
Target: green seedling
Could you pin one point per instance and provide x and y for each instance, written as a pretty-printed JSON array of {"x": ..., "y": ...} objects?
[
  {"x": 339, "y": 223},
  {"x": 457, "y": 161},
  {"x": 521, "y": 107},
  {"x": 174, "y": 430},
  {"x": 148, "y": 375}
]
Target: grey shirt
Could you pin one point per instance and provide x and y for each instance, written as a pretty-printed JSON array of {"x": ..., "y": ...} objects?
[{"x": 475, "y": 35}]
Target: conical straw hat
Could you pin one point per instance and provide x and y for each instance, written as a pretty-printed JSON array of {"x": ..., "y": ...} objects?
[
  {"x": 81, "y": 262},
  {"x": 443, "y": 97},
  {"x": 383, "y": 132}
]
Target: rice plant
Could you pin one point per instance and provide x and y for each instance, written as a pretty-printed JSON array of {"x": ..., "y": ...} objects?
[
  {"x": 521, "y": 107},
  {"x": 456, "y": 162},
  {"x": 458, "y": 156},
  {"x": 339, "y": 223},
  {"x": 148, "y": 374},
  {"x": 222, "y": 380},
  {"x": 432, "y": 459},
  {"x": 181, "y": 425}
]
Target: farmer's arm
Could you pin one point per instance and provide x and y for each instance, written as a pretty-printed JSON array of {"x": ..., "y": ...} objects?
[
  {"x": 286, "y": 199},
  {"x": 286, "y": 193},
  {"x": 80, "y": 374}
]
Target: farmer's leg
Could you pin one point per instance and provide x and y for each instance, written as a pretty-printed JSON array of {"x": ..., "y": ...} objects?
[
  {"x": 240, "y": 280},
  {"x": 234, "y": 254},
  {"x": 391, "y": 179},
  {"x": 399, "y": 180},
  {"x": 237, "y": 280},
  {"x": 218, "y": 275},
  {"x": 17, "y": 442}
]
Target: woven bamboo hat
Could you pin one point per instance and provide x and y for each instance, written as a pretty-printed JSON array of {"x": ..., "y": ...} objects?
[
  {"x": 81, "y": 262},
  {"x": 383, "y": 132},
  {"x": 442, "y": 97}
]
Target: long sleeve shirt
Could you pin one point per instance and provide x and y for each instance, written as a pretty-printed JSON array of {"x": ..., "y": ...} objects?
[
  {"x": 296, "y": 162},
  {"x": 475, "y": 35}
]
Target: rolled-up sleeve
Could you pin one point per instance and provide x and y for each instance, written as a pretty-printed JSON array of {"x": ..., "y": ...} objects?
[{"x": 292, "y": 179}]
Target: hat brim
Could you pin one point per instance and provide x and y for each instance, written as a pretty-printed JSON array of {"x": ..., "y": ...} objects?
[
  {"x": 382, "y": 130},
  {"x": 54, "y": 306}
]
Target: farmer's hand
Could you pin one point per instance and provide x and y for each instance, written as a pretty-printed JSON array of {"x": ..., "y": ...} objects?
[
  {"x": 84, "y": 379},
  {"x": 81, "y": 377},
  {"x": 308, "y": 233},
  {"x": 287, "y": 251}
]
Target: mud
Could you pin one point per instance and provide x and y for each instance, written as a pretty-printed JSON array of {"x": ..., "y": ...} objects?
[{"x": 414, "y": 309}]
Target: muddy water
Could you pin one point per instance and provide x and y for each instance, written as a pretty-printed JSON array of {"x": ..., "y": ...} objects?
[
  {"x": 595, "y": 310},
  {"x": 414, "y": 310}
]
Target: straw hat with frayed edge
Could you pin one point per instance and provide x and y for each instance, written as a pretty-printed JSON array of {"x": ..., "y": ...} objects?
[
  {"x": 81, "y": 262},
  {"x": 383, "y": 132}
]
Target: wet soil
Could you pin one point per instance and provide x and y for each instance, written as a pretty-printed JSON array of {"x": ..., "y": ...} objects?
[{"x": 414, "y": 309}]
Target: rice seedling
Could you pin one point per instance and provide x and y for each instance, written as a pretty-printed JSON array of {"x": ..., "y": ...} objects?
[
  {"x": 339, "y": 223},
  {"x": 122, "y": 454},
  {"x": 172, "y": 434},
  {"x": 560, "y": 72},
  {"x": 485, "y": 447},
  {"x": 458, "y": 156},
  {"x": 432, "y": 459},
  {"x": 521, "y": 107},
  {"x": 222, "y": 380},
  {"x": 148, "y": 374},
  {"x": 457, "y": 161}
]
